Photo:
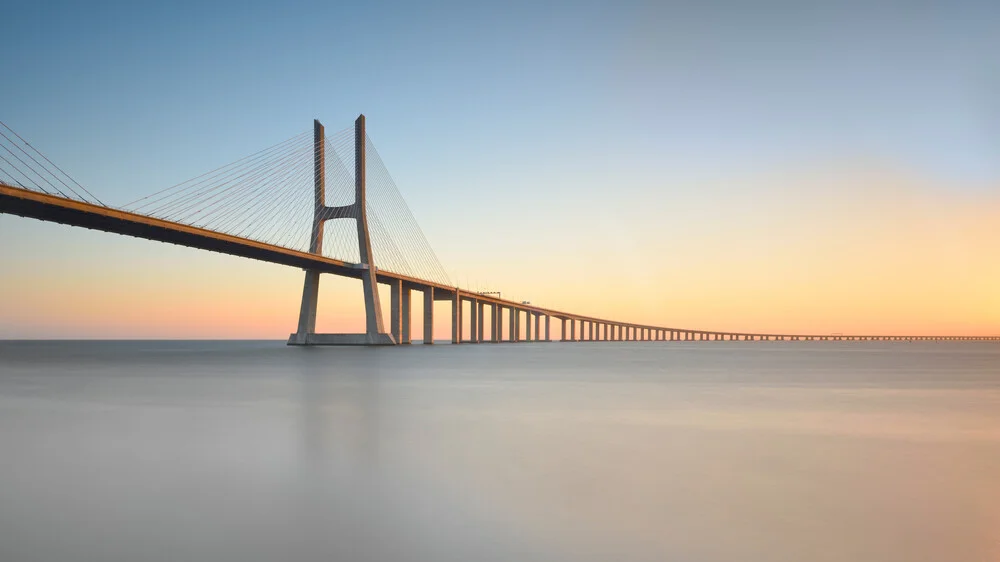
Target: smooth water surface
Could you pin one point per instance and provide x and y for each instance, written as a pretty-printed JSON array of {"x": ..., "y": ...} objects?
[{"x": 704, "y": 451}]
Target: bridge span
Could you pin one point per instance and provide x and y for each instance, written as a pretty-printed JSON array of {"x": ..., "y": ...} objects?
[{"x": 510, "y": 321}]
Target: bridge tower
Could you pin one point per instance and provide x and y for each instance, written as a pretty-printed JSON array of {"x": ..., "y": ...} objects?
[{"x": 374, "y": 332}]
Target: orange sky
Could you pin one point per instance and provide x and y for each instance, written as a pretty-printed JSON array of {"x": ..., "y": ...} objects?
[{"x": 852, "y": 249}]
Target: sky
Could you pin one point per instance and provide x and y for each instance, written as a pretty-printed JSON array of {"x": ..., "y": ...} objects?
[{"x": 756, "y": 166}]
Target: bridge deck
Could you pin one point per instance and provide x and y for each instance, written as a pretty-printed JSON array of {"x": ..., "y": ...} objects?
[{"x": 31, "y": 204}]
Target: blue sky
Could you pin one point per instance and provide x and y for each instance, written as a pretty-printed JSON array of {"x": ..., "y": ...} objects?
[
  {"x": 536, "y": 116},
  {"x": 698, "y": 86}
]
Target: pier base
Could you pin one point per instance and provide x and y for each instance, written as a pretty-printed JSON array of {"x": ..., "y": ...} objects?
[{"x": 340, "y": 339}]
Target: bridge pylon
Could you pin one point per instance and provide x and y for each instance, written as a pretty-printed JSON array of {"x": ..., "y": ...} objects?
[{"x": 375, "y": 333}]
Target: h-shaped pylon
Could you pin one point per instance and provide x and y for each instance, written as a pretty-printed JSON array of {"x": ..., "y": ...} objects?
[{"x": 374, "y": 332}]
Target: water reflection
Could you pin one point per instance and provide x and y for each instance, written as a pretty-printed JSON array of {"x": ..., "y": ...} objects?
[{"x": 252, "y": 451}]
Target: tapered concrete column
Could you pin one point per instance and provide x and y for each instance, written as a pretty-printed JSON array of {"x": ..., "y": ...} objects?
[
  {"x": 497, "y": 323},
  {"x": 564, "y": 334},
  {"x": 591, "y": 337},
  {"x": 527, "y": 325},
  {"x": 428, "y": 315},
  {"x": 369, "y": 282},
  {"x": 396, "y": 309},
  {"x": 407, "y": 315},
  {"x": 572, "y": 330},
  {"x": 481, "y": 314},
  {"x": 547, "y": 326},
  {"x": 456, "y": 317},
  {"x": 538, "y": 327},
  {"x": 474, "y": 321},
  {"x": 513, "y": 325}
]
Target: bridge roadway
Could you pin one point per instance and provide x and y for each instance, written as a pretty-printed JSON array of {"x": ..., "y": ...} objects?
[{"x": 525, "y": 322}]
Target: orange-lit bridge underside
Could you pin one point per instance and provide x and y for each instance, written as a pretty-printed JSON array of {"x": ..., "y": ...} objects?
[{"x": 524, "y": 321}]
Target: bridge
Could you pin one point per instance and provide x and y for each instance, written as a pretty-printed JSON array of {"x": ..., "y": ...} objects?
[{"x": 274, "y": 206}]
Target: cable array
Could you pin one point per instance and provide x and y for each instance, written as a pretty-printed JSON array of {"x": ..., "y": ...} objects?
[
  {"x": 269, "y": 197},
  {"x": 398, "y": 242},
  {"x": 22, "y": 165}
]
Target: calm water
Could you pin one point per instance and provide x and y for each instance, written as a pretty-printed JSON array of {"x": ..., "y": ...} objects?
[{"x": 245, "y": 451}]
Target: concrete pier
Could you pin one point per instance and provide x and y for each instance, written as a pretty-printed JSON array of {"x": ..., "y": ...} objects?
[
  {"x": 406, "y": 316},
  {"x": 456, "y": 317},
  {"x": 481, "y": 321},
  {"x": 428, "y": 315},
  {"x": 474, "y": 325},
  {"x": 396, "y": 309}
]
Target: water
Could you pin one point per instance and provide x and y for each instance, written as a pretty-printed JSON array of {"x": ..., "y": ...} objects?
[{"x": 245, "y": 451}]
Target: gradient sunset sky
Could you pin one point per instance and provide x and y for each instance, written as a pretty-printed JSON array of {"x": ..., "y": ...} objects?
[{"x": 757, "y": 166}]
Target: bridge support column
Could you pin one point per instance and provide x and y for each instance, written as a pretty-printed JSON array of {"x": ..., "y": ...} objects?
[
  {"x": 474, "y": 321},
  {"x": 406, "y": 316},
  {"x": 307, "y": 312},
  {"x": 538, "y": 327},
  {"x": 456, "y": 317},
  {"x": 527, "y": 325},
  {"x": 548, "y": 322},
  {"x": 374, "y": 330},
  {"x": 396, "y": 309},
  {"x": 513, "y": 325},
  {"x": 496, "y": 323},
  {"x": 572, "y": 329},
  {"x": 428, "y": 315},
  {"x": 481, "y": 321}
]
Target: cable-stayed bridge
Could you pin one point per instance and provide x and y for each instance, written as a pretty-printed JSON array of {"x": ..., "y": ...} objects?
[{"x": 327, "y": 204}]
